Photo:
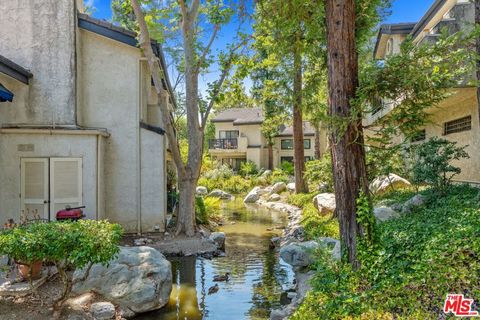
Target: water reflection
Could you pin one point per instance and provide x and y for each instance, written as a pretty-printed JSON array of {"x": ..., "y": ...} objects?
[{"x": 256, "y": 275}]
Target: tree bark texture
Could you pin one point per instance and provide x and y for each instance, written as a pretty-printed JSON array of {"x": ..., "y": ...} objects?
[
  {"x": 270, "y": 156},
  {"x": 298, "y": 145},
  {"x": 347, "y": 148},
  {"x": 477, "y": 23},
  {"x": 317, "y": 152}
]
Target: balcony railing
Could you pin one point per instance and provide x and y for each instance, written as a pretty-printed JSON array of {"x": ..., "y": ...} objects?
[{"x": 223, "y": 143}]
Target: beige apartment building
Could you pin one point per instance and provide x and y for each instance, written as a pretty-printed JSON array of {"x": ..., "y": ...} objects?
[
  {"x": 238, "y": 138},
  {"x": 456, "y": 118}
]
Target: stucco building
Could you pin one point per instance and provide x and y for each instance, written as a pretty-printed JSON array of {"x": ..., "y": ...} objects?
[
  {"x": 238, "y": 138},
  {"x": 456, "y": 118},
  {"x": 79, "y": 119}
]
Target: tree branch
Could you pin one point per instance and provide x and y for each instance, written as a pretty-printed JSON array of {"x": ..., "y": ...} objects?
[
  {"x": 216, "y": 28},
  {"x": 155, "y": 70}
]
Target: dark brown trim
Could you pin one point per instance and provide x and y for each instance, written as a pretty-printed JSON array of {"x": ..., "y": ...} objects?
[
  {"x": 15, "y": 71},
  {"x": 149, "y": 127}
]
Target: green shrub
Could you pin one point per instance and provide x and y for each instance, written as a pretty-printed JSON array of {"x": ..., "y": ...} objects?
[
  {"x": 221, "y": 172},
  {"x": 68, "y": 245},
  {"x": 416, "y": 261},
  {"x": 319, "y": 172},
  {"x": 279, "y": 175},
  {"x": 287, "y": 167},
  {"x": 300, "y": 199},
  {"x": 207, "y": 209},
  {"x": 432, "y": 162},
  {"x": 317, "y": 225},
  {"x": 383, "y": 161},
  {"x": 248, "y": 168},
  {"x": 200, "y": 211}
]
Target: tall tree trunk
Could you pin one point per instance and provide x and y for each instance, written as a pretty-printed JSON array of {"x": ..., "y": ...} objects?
[
  {"x": 298, "y": 145},
  {"x": 317, "y": 152},
  {"x": 477, "y": 23},
  {"x": 348, "y": 153},
  {"x": 270, "y": 156}
]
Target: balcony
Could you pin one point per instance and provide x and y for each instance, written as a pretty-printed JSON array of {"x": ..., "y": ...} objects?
[{"x": 223, "y": 144}]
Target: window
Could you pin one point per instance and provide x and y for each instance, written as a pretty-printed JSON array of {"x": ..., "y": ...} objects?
[
  {"x": 308, "y": 158},
  {"x": 419, "y": 136},
  {"x": 306, "y": 144},
  {"x": 228, "y": 134},
  {"x": 286, "y": 144},
  {"x": 458, "y": 125},
  {"x": 286, "y": 159}
]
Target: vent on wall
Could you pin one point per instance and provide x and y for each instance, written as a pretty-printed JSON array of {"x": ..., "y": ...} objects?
[{"x": 458, "y": 125}]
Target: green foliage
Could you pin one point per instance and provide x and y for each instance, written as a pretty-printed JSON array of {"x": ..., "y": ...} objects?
[
  {"x": 432, "y": 162},
  {"x": 248, "y": 168},
  {"x": 234, "y": 184},
  {"x": 207, "y": 209},
  {"x": 315, "y": 224},
  {"x": 220, "y": 172},
  {"x": 381, "y": 161},
  {"x": 75, "y": 243},
  {"x": 320, "y": 172},
  {"x": 366, "y": 219},
  {"x": 279, "y": 175},
  {"x": 287, "y": 167},
  {"x": 418, "y": 259}
]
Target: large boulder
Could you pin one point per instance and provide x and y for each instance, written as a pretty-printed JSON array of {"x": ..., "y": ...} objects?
[
  {"x": 217, "y": 193},
  {"x": 219, "y": 239},
  {"x": 385, "y": 213},
  {"x": 300, "y": 254},
  {"x": 274, "y": 197},
  {"x": 325, "y": 203},
  {"x": 291, "y": 186},
  {"x": 255, "y": 194},
  {"x": 383, "y": 184},
  {"x": 138, "y": 280},
  {"x": 416, "y": 201},
  {"x": 278, "y": 187},
  {"x": 201, "y": 191},
  {"x": 102, "y": 310}
]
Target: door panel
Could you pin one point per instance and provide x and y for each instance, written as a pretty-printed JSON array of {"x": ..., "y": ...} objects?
[
  {"x": 34, "y": 187},
  {"x": 65, "y": 183}
]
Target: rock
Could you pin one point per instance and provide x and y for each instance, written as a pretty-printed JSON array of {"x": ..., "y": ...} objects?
[
  {"x": 291, "y": 187},
  {"x": 138, "y": 280},
  {"x": 254, "y": 195},
  {"x": 219, "y": 239},
  {"x": 291, "y": 295},
  {"x": 217, "y": 193},
  {"x": 3, "y": 261},
  {"x": 325, "y": 203},
  {"x": 201, "y": 191},
  {"x": 266, "y": 173},
  {"x": 323, "y": 187},
  {"x": 416, "y": 201},
  {"x": 275, "y": 242},
  {"x": 279, "y": 314},
  {"x": 278, "y": 187},
  {"x": 274, "y": 197},
  {"x": 142, "y": 241},
  {"x": 299, "y": 254},
  {"x": 102, "y": 310},
  {"x": 383, "y": 184},
  {"x": 385, "y": 213}
]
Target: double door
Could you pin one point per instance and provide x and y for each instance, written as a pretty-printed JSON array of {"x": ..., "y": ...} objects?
[{"x": 48, "y": 185}]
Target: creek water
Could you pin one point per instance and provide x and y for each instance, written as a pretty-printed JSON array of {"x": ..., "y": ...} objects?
[{"x": 257, "y": 275}]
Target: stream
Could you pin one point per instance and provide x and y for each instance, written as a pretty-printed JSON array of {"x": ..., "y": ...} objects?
[{"x": 257, "y": 275}]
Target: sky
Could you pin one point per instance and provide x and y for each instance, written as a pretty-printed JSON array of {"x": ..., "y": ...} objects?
[{"x": 400, "y": 11}]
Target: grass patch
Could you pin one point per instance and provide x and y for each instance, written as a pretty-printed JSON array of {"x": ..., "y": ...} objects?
[{"x": 416, "y": 261}]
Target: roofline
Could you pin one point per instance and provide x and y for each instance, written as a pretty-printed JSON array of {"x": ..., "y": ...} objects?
[
  {"x": 244, "y": 123},
  {"x": 395, "y": 28},
  {"x": 14, "y": 70},
  {"x": 427, "y": 16},
  {"x": 127, "y": 37},
  {"x": 283, "y": 135}
]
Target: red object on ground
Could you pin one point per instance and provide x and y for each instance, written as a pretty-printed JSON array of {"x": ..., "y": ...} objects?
[{"x": 70, "y": 214}]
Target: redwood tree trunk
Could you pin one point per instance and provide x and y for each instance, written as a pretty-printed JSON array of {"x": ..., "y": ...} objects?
[
  {"x": 270, "y": 156},
  {"x": 477, "y": 22},
  {"x": 348, "y": 154},
  {"x": 317, "y": 151},
  {"x": 298, "y": 145}
]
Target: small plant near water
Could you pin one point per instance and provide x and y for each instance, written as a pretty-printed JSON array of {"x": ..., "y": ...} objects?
[{"x": 67, "y": 245}]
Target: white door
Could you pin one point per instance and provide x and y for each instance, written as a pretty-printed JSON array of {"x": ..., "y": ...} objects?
[
  {"x": 65, "y": 184},
  {"x": 34, "y": 188}
]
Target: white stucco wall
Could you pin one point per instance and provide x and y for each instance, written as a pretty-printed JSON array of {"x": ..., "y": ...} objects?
[
  {"x": 41, "y": 37},
  {"x": 48, "y": 146},
  {"x": 110, "y": 99},
  {"x": 153, "y": 182}
]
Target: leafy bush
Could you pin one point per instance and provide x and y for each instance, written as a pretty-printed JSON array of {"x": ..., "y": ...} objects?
[
  {"x": 279, "y": 175},
  {"x": 287, "y": 167},
  {"x": 383, "y": 161},
  {"x": 221, "y": 172},
  {"x": 68, "y": 245},
  {"x": 206, "y": 209},
  {"x": 248, "y": 168},
  {"x": 417, "y": 260},
  {"x": 319, "y": 172},
  {"x": 432, "y": 162}
]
